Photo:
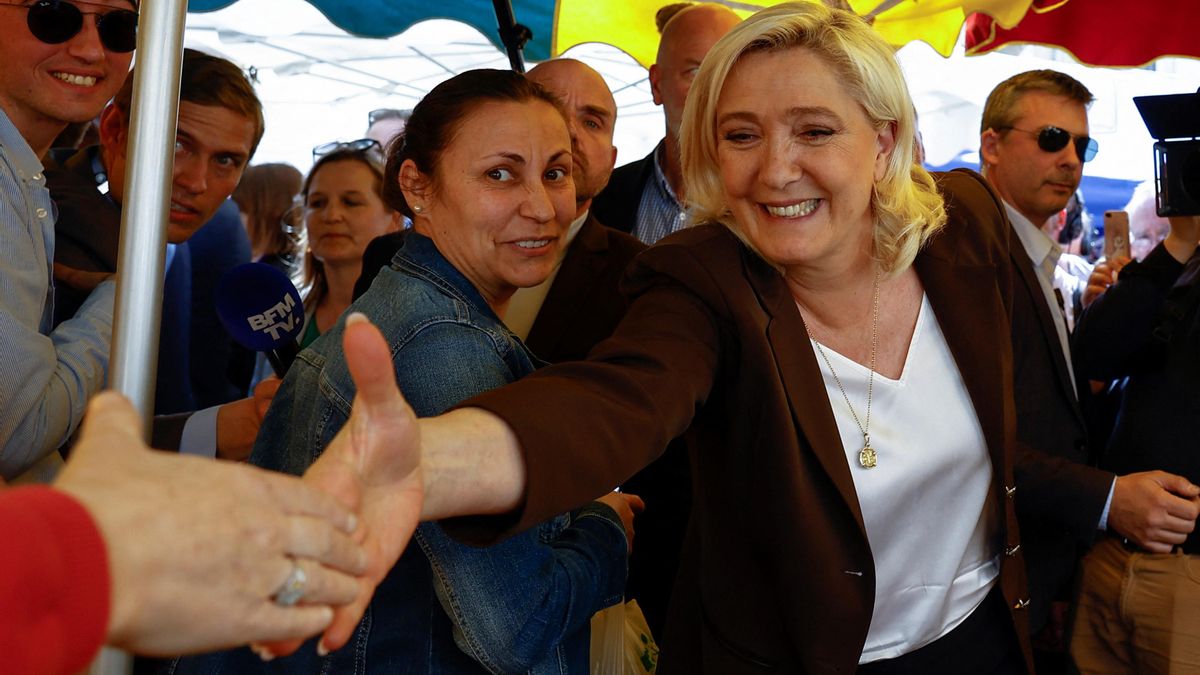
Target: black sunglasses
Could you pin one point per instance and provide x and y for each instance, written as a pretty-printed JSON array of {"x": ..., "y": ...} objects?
[
  {"x": 56, "y": 21},
  {"x": 1053, "y": 139},
  {"x": 361, "y": 145}
]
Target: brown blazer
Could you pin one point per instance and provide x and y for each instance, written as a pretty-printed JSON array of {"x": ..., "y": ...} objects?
[
  {"x": 583, "y": 306},
  {"x": 777, "y": 573}
]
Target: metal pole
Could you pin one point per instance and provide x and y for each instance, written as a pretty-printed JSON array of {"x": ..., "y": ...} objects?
[
  {"x": 144, "y": 216},
  {"x": 512, "y": 34}
]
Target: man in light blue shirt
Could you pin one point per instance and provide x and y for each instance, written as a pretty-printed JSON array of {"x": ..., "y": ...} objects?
[{"x": 47, "y": 376}]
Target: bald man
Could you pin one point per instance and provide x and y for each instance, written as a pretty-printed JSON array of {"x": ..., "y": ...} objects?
[
  {"x": 578, "y": 304},
  {"x": 583, "y": 307},
  {"x": 646, "y": 197}
]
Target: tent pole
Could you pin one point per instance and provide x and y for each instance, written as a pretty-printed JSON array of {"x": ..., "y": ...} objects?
[
  {"x": 512, "y": 34},
  {"x": 144, "y": 215}
]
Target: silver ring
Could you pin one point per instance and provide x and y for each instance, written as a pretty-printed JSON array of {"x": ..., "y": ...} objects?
[{"x": 292, "y": 589}]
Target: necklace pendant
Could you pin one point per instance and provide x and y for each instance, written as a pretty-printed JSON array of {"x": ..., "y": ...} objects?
[{"x": 866, "y": 457}]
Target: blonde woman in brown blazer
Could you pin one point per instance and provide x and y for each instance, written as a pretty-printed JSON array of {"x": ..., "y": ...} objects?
[{"x": 834, "y": 338}]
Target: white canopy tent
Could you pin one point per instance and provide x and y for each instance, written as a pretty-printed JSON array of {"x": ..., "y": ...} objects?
[{"x": 318, "y": 83}]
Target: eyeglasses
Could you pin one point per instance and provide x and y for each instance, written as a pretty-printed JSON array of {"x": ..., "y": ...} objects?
[
  {"x": 361, "y": 145},
  {"x": 56, "y": 21},
  {"x": 1053, "y": 139},
  {"x": 387, "y": 114}
]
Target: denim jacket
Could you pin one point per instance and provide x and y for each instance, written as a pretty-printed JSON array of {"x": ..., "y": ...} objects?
[{"x": 521, "y": 606}]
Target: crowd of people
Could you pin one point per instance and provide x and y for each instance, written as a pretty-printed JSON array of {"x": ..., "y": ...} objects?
[{"x": 815, "y": 408}]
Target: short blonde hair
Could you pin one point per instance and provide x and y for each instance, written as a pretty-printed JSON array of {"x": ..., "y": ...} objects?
[{"x": 906, "y": 204}]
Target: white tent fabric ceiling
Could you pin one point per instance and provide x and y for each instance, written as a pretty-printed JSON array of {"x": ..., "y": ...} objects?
[{"x": 318, "y": 83}]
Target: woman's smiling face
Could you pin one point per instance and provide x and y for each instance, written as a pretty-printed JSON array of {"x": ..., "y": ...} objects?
[
  {"x": 798, "y": 158},
  {"x": 501, "y": 197}
]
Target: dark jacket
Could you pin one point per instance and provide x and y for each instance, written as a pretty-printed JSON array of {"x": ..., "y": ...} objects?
[
  {"x": 87, "y": 237},
  {"x": 617, "y": 204},
  {"x": 1051, "y": 420},
  {"x": 1147, "y": 327},
  {"x": 713, "y": 344}
]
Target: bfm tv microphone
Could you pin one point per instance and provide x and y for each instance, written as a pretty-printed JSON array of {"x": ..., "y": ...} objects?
[{"x": 262, "y": 310}]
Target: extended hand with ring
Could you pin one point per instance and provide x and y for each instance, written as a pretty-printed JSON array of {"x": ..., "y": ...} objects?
[{"x": 208, "y": 554}]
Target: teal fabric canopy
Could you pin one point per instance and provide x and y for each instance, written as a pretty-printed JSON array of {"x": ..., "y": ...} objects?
[{"x": 385, "y": 18}]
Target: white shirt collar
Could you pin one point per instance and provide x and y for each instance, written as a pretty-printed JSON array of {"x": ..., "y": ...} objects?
[{"x": 1042, "y": 250}]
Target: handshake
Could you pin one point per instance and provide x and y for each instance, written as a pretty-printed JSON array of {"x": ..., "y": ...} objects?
[{"x": 206, "y": 554}]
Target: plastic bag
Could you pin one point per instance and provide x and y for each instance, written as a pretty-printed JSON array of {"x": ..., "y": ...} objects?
[
  {"x": 641, "y": 651},
  {"x": 608, "y": 641},
  {"x": 622, "y": 643}
]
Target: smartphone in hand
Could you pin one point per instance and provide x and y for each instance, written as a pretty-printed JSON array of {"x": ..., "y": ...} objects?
[{"x": 1116, "y": 234}]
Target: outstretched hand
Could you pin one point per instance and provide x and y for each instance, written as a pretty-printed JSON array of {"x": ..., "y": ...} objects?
[
  {"x": 196, "y": 547},
  {"x": 373, "y": 466}
]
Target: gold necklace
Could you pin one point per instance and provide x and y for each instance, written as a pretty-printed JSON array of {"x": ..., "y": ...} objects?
[{"x": 866, "y": 457}]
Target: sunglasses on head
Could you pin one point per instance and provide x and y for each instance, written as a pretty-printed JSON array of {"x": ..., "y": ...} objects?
[
  {"x": 1053, "y": 139},
  {"x": 387, "y": 114},
  {"x": 361, "y": 145},
  {"x": 56, "y": 21}
]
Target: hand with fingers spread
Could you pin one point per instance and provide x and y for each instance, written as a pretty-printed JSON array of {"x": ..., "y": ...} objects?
[
  {"x": 199, "y": 550},
  {"x": 365, "y": 467},
  {"x": 1154, "y": 509}
]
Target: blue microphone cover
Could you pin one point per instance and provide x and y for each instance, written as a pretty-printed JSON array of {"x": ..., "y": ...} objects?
[{"x": 260, "y": 307}]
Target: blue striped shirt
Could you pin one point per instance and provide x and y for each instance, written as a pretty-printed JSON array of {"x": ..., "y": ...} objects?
[
  {"x": 659, "y": 212},
  {"x": 46, "y": 376}
]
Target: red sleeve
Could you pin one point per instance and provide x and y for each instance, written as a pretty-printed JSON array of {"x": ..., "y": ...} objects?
[{"x": 54, "y": 583}]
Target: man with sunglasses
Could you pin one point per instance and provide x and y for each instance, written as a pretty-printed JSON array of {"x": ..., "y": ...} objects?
[
  {"x": 219, "y": 126},
  {"x": 62, "y": 61},
  {"x": 1033, "y": 144}
]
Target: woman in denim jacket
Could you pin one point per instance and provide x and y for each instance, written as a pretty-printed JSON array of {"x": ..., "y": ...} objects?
[{"x": 484, "y": 172}]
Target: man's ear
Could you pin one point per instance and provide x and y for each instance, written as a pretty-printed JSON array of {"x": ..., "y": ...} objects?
[
  {"x": 655, "y": 76},
  {"x": 114, "y": 131},
  {"x": 989, "y": 147}
]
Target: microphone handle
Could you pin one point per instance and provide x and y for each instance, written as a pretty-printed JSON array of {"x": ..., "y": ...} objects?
[{"x": 281, "y": 358}]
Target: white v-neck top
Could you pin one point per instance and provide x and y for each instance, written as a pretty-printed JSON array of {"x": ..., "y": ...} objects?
[{"x": 929, "y": 521}]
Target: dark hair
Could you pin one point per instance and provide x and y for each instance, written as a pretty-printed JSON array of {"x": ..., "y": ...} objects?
[
  {"x": 436, "y": 118},
  {"x": 212, "y": 81},
  {"x": 264, "y": 195}
]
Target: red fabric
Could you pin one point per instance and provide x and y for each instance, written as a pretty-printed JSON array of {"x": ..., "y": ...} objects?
[
  {"x": 54, "y": 583},
  {"x": 1098, "y": 32}
]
